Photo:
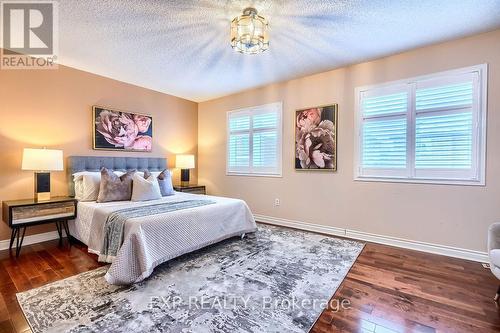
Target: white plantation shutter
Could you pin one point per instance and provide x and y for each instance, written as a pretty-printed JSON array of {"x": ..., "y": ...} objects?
[
  {"x": 254, "y": 140},
  {"x": 383, "y": 103},
  {"x": 239, "y": 151},
  {"x": 384, "y": 131},
  {"x": 444, "y": 128},
  {"x": 265, "y": 154},
  {"x": 384, "y": 143},
  {"x": 430, "y": 129},
  {"x": 444, "y": 141},
  {"x": 239, "y": 141}
]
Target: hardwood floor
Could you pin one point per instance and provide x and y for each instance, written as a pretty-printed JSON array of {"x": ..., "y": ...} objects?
[
  {"x": 388, "y": 290},
  {"x": 396, "y": 290},
  {"x": 37, "y": 265}
]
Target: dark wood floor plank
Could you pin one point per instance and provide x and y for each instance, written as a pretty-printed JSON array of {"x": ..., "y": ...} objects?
[
  {"x": 415, "y": 292},
  {"x": 49, "y": 260},
  {"x": 414, "y": 307},
  {"x": 388, "y": 289},
  {"x": 6, "y": 327},
  {"x": 19, "y": 322},
  {"x": 432, "y": 290},
  {"x": 4, "y": 312},
  {"x": 4, "y": 276},
  {"x": 17, "y": 276}
]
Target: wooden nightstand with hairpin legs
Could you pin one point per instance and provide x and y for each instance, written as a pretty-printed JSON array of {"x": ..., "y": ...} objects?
[
  {"x": 20, "y": 214},
  {"x": 192, "y": 188}
]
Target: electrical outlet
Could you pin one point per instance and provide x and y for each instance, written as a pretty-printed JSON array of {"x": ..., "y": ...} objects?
[{"x": 276, "y": 202}]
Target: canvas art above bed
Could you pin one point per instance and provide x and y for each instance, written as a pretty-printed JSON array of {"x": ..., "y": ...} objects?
[
  {"x": 316, "y": 138},
  {"x": 121, "y": 130}
]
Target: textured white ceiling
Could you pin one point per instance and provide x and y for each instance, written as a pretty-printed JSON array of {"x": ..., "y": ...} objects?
[{"x": 182, "y": 47}]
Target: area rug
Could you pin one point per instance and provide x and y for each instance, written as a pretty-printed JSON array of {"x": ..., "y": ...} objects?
[{"x": 275, "y": 280}]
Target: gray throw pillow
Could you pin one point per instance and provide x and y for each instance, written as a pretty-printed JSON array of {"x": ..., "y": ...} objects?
[
  {"x": 114, "y": 188},
  {"x": 164, "y": 180}
]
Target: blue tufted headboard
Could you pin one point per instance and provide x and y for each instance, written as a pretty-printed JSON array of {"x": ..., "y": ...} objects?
[{"x": 95, "y": 163}]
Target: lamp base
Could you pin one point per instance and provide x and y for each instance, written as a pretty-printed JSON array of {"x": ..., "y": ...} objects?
[
  {"x": 184, "y": 177},
  {"x": 42, "y": 196},
  {"x": 42, "y": 186}
]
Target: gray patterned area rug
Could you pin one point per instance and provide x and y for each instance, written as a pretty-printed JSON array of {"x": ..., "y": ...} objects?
[{"x": 275, "y": 280}]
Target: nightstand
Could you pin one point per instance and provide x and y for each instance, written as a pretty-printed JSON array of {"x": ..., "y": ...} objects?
[
  {"x": 20, "y": 214},
  {"x": 192, "y": 188}
]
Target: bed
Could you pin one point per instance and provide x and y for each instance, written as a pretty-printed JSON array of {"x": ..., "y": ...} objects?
[{"x": 153, "y": 239}]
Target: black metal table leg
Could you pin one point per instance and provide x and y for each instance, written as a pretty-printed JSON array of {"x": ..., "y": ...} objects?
[
  {"x": 13, "y": 237},
  {"x": 66, "y": 228},
  {"x": 19, "y": 243},
  {"x": 59, "y": 231}
]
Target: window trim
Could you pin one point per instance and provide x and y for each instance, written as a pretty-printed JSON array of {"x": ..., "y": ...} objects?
[
  {"x": 480, "y": 129},
  {"x": 249, "y": 110}
]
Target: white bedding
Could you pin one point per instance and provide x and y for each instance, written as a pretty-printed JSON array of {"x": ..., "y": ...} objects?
[{"x": 152, "y": 240}]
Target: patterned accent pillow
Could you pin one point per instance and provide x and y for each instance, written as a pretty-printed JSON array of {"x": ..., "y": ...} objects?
[
  {"x": 87, "y": 184},
  {"x": 114, "y": 188}
]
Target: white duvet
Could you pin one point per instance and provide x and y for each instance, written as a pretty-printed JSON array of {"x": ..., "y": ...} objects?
[{"x": 152, "y": 240}]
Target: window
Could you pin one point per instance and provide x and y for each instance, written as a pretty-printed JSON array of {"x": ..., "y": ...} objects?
[
  {"x": 428, "y": 129},
  {"x": 254, "y": 141}
]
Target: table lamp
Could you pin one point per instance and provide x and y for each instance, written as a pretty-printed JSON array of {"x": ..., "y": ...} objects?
[
  {"x": 42, "y": 161},
  {"x": 184, "y": 162}
]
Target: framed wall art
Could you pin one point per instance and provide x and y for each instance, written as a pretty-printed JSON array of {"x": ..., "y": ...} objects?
[
  {"x": 316, "y": 138},
  {"x": 121, "y": 130}
]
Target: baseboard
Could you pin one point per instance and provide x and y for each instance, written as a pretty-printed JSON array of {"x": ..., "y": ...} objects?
[
  {"x": 329, "y": 230},
  {"x": 301, "y": 225},
  {"x": 445, "y": 250},
  {"x": 31, "y": 239}
]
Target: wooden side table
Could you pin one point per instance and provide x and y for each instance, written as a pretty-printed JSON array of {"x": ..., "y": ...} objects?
[
  {"x": 191, "y": 188},
  {"x": 20, "y": 214}
]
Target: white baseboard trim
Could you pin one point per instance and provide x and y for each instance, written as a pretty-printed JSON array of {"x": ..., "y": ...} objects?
[
  {"x": 445, "y": 250},
  {"x": 301, "y": 225},
  {"x": 31, "y": 239}
]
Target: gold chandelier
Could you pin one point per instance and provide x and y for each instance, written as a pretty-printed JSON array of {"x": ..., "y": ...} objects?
[{"x": 249, "y": 32}]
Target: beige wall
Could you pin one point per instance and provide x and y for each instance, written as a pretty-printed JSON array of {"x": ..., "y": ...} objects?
[
  {"x": 53, "y": 108},
  {"x": 443, "y": 214}
]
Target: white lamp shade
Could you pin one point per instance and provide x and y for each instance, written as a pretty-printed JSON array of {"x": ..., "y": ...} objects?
[
  {"x": 42, "y": 159},
  {"x": 184, "y": 161}
]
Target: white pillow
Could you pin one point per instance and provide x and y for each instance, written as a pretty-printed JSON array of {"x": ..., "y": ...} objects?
[
  {"x": 79, "y": 175},
  {"x": 79, "y": 189},
  {"x": 166, "y": 187},
  {"x": 91, "y": 185},
  {"x": 87, "y": 184},
  {"x": 145, "y": 189}
]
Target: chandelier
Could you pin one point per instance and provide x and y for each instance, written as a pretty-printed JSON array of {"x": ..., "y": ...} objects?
[{"x": 249, "y": 32}]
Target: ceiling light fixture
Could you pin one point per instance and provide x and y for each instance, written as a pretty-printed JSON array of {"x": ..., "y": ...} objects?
[{"x": 249, "y": 32}]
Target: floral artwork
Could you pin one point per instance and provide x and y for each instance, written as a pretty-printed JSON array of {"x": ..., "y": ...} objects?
[
  {"x": 316, "y": 138},
  {"x": 119, "y": 130}
]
